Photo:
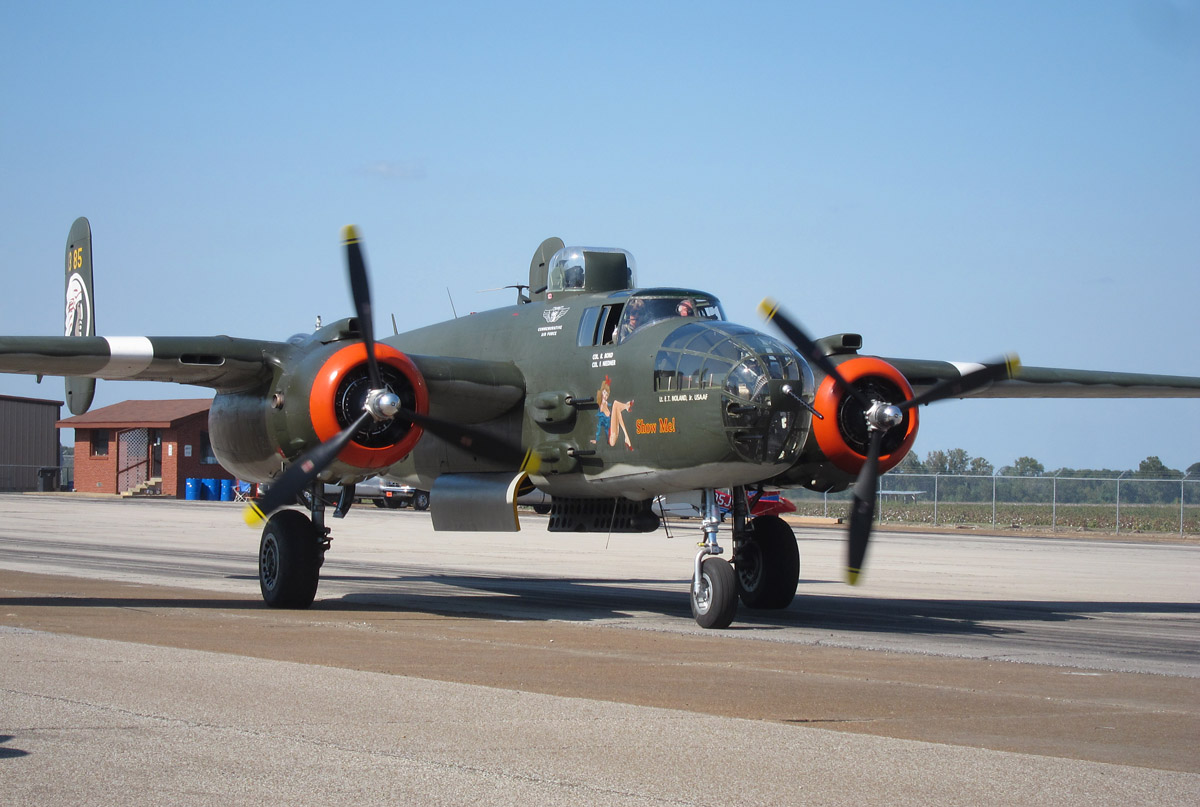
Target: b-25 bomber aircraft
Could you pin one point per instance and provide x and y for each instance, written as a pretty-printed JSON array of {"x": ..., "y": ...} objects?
[{"x": 594, "y": 391}]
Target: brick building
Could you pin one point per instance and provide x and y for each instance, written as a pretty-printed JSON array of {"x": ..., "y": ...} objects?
[{"x": 143, "y": 447}]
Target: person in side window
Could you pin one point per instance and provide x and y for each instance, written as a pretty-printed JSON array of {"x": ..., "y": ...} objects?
[
  {"x": 635, "y": 317},
  {"x": 686, "y": 307}
]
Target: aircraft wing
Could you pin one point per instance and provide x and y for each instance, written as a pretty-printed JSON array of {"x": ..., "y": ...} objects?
[
  {"x": 223, "y": 363},
  {"x": 1051, "y": 382}
]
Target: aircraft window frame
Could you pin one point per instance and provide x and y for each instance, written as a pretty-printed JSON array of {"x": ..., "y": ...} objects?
[
  {"x": 610, "y": 317},
  {"x": 682, "y": 335},
  {"x": 708, "y": 372},
  {"x": 689, "y": 372},
  {"x": 589, "y": 327}
]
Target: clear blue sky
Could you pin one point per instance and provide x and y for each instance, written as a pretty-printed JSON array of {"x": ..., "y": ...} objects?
[{"x": 950, "y": 179}]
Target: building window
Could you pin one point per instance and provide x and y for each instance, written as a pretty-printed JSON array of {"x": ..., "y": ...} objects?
[
  {"x": 207, "y": 457},
  {"x": 99, "y": 442}
]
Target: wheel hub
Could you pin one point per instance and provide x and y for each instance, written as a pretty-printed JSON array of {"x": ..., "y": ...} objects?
[{"x": 268, "y": 562}]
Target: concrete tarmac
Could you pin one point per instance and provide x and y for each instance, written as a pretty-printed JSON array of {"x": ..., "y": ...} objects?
[{"x": 139, "y": 667}]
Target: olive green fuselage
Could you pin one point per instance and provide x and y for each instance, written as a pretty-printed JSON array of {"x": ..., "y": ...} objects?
[{"x": 596, "y": 409}]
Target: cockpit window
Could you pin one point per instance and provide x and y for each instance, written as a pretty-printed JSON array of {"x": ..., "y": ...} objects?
[{"x": 645, "y": 310}]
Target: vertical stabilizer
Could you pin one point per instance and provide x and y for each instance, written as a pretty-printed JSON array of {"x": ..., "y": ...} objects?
[{"x": 80, "y": 307}]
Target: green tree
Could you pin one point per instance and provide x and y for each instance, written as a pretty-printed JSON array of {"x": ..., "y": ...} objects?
[
  {"x": 1193, "y": 470},
  {"x": 954, "y": 461},
  {"x": 935, "y": 462},
  {"x": 1153, "y": 468},
  {"x": 980, "y": 467},
  {"x": 957, "y": 461},
  {"x": 909, "y": 465},
  {"x": 1024, "y": 466}
]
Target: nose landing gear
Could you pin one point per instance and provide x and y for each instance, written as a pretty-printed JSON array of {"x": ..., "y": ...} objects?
[
  {"x": 714, "y": 585},
  {"x": 766, "y": 558}
]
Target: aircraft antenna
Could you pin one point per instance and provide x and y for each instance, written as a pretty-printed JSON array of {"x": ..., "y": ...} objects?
[
  {"x": 452, "y": 311},
  {"x": 395, "y": 330}
]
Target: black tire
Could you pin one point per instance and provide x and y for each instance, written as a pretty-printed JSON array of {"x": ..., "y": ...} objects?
[
  {"x": 542, "y": 509},
  {"x": 289, "y": 560},
  {"x": 393, "y": 503},
  {"x": 718, "y": 601},
  {"x": 379, "y": 502},
  {"x": 421, "y": 500},
  {"x": 768, "y": 564}
]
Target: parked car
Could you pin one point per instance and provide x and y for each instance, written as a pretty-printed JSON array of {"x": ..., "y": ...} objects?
[
  {"x": 396, "y": 495},
  {"x": 367, "y": 490}
]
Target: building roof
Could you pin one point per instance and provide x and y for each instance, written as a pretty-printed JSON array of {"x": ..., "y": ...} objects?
[
  {"x": 30, "y": 400},
  {"x": 138, "y": 414}
]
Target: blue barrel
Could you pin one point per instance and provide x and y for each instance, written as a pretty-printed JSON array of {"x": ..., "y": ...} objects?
[
  {"x": 212, "y": 490},
  {"x": 191, "y": 489},
  {"x": 226, "y": 490}
]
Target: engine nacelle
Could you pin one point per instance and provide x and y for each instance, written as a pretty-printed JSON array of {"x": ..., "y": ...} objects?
[
  {"x": 319, "y": 392},
  {"x": 339, "y": 391},
  {"x": 836, "y": 447}
]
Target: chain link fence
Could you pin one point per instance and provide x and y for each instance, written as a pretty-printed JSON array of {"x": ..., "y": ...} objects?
[{"x": 1119, "y": 504}]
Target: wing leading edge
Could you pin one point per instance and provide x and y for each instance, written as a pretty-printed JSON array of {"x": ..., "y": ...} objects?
[{"x": 1052, "y": 382}]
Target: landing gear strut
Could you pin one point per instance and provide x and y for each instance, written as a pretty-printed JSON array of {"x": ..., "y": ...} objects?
[
  {"x": 290, "y": 555},
  {"x": 714, "y": 585},
  {"x": 765, "y": 556}
]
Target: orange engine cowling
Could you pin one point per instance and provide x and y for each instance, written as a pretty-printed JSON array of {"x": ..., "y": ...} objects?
[
  {"x": 842, "y": 434},
  {"x": 339, "y": 391}
]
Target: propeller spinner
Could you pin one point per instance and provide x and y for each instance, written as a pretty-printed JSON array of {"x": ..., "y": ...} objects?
[{"x": 881, "y": 416}]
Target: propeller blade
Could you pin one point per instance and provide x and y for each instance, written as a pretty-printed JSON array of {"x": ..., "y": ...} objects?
[
  {"x": 474, "y": 440},
  {"x": 360, "y": 289},
  {"x": 300, "y": 474},
  {"x": 808, "y": 348},
  {"x": 968, "y": 382},
  {"x": 862, "y": 510}
]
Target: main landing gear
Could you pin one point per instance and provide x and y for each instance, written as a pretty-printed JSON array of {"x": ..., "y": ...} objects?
[
  {"x": 290, "y": 554},
  {"x": 765, "y": 556}
]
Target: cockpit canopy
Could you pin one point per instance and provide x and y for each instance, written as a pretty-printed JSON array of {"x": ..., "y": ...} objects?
[
  {"x": 650, "y": 306},
  {"x": 590, "y": 269},
  {"x": 625, "y": 314}
]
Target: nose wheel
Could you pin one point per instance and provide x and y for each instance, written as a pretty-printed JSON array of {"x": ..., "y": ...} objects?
[
  {"x": 714, "y": 585},
  {"x": 715, "y": 594}
]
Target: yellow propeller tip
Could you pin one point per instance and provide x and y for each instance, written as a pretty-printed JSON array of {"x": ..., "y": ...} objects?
[
  {"x": 253, "y": 516},
  {"x": 1014, "y": 364},
  {"x": 852, "y": 576},
  {"x": 349, "y": 234},
  {"x": 532, "y": 463},
  {"x": 767, "y": 308}
]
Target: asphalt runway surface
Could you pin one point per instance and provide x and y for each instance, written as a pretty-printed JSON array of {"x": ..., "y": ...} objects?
[{"x": 139, "y": 666}]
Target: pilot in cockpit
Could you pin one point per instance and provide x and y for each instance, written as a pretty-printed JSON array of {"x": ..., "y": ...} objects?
[{"x": 642, "y": 311}]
